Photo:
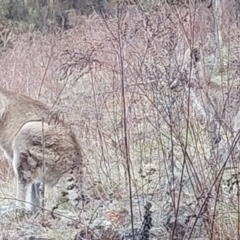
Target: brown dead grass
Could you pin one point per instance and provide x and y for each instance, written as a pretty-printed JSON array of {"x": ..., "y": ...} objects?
[{"x": 79, "y": 71}]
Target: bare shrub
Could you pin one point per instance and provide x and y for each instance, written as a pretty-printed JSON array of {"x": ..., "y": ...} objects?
[{"x": 177, "y": 113}]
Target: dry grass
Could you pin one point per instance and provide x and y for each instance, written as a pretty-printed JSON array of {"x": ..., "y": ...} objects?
[{"x": 80, "y": 72}]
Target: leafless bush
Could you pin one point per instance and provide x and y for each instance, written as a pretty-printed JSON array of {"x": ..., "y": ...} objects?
[{"x": 146, "y": 77}]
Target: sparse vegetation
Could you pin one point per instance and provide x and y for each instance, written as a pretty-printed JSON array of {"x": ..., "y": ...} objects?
[{"x": 152, "y": 91}]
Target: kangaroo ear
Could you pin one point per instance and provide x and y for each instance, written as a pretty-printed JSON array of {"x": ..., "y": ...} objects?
[{"x": 2, "y": 112}]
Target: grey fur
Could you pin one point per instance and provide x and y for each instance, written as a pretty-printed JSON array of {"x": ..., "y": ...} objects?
[{"x": 21, "y": 138}]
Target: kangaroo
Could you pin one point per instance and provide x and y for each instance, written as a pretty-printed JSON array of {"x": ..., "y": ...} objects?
[{"x": 41, "y": 149}]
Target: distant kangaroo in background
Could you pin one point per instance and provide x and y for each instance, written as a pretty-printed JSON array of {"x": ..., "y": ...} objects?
[{"x": 27, "y": 141}]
